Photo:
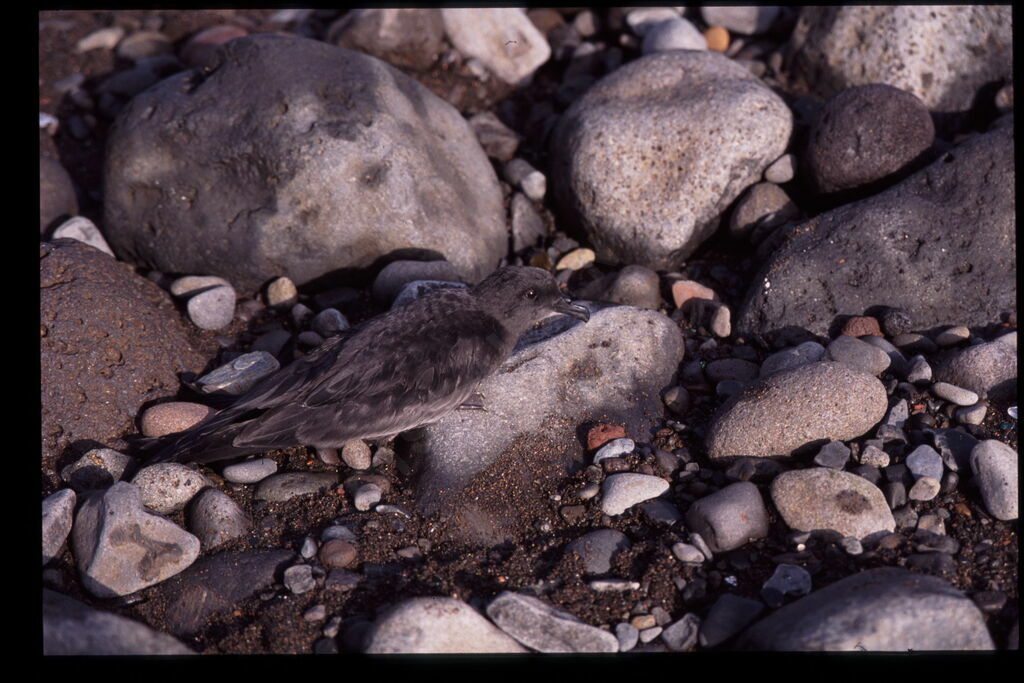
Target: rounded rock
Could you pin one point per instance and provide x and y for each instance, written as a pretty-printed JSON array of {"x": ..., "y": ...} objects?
[
  {"x": 729, "y": 518},
  {"x": 212, "y": 309},
  {"x": 171, "y": 417},
  {"x": 167, "y": 487},
  {"x": 673, "y": 34},
  {"x": 622, "y": 491},
  {"x": 824, "y": 498},
  {"x": 249, "y": 471},
  {"x": 789, "y": 409},
  {"x": 337, "y": 552},
  {"x": 436, "y": 625},
  {"x": 597, "y": 549},
  {"x": 995, "y": 467},
  {"x": 215, "y": 518},
  {"x": 989, "y": 370}
]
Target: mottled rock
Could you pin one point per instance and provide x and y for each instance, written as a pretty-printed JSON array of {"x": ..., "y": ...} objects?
[
  {"x": 824, "y": 498},
  {"x": 545, "y": 628},
  {"x": 989, "y": 370},
  {"x": 409, "y": 37},
  {"x": 995, "y": 466},
  {"x": 436, "y": 625}
]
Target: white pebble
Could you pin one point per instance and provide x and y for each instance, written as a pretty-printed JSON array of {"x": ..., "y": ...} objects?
[{"x": 84, "y": 230}]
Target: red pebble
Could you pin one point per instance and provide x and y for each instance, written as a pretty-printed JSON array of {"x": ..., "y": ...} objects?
[
  {"x": 601, "y": 434},
  {"x": 861, "y": 325}
]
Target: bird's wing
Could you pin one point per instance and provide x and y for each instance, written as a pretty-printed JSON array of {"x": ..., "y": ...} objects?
[{"x": 385, "y": 382}]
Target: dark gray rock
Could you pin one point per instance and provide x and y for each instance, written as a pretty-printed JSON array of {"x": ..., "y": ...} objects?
[
  {"x": 885, "y": 609},
  {"x": 597, "y": 549},
  {"x": 728, "y": 616},
  {"x": 216, "y": 584},
  {"x": 73, "y": 628},
  {"x": 864, "y": 134},
  {"x": 334, "y": 161},
  {"x": 940, "y": 245}
]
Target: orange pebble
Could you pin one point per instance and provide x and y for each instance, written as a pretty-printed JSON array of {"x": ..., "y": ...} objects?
[{"x": 718, "y": 38}]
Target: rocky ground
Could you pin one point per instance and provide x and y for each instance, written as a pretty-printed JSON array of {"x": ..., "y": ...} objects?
[{"x": 804, "y": 409}]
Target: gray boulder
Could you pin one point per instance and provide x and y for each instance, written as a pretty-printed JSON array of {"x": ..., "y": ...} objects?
[
  {"x": 436, "y": 625},
  {"x": 989, "y": 370},
  {"x": 884, "y": 609},
  {"x": 943, "y": 54},
  {"x": 651, "y": 156},
  {"x": 610, "y": 370},
  {"x": 940, "y": 245},
  {"x": 293, "y": 157}
]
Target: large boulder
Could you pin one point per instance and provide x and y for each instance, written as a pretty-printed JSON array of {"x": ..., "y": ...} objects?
[
  {"x": 942, "y": 53},
  {"x": 110, "y": 342},
  {"x": 289, "y": 156},
  {"x": 650, "y": 157},
  {"x": 609, "y": 370},
  {"x": 940, "y": 245}
]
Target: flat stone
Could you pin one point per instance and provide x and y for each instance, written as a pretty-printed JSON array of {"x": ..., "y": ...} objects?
[
  {"x": 622, "y": 491},
  {"x": 503, "y": 38},
  {"x": 249, "y": 471},
  {"x": 954, "y": 394},
  {"x": 783, "y": 411},
  {"x": 857, "y": 354},
  {"x": 545, "y": 628},
  {"x": 171, "y": 417},
  {"x": 823, "y": 498},
  {"x": 286, "y": 485},
  {"x": 787, "y": 359},
  {"x": 58, "y": 512},
  {"x": 597, "y": 548}
]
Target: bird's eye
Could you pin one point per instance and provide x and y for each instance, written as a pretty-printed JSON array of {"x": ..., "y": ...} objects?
[{"x": 530, "y": 293}]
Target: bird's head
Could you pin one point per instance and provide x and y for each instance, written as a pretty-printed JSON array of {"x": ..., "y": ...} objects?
[{"x": 520, "y": 296}]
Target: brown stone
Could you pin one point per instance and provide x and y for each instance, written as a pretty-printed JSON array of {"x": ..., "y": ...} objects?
[
  {"x": 601, "y": 434},
  {"x": 860, "y": 325}
]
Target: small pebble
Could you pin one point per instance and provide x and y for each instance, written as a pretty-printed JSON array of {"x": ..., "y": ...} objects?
[
  {"x": 315, "y": 613},
  {"x": 239, "y": 375},
  {"x": 103, "y": 39},
  {"x": 366, "y": 496},
  {"x": 834, "y": 454},
  {"x": 613, "y": 585},
  {"x": 167, "y": 487},
  {"x": 356, "y": 454},
  {"x": 924, "y": 488},
  {"x": 337, "y": 553},
  {"x": 627, "y": 636},
  {"x": 919, "y": 370},
  {"x": 614, "y": 449},
  {"x": 84, "y": 230},
  {"x": 684, "y": 290},
  {"x": 622, "y": 491},
  {"x": 171, "y": 417},
  {"x": 577, "y": 259},
  {"x": 215, "y": 519},
  {"x": 282, "y": 292},
  {"x": 954, "y": 394},
  {"x": 874, "y": 456},
  {"x": 782, "y": 170},
  {"x": 953, "y": 335},
  {"x": 688, "y": 554},
  {"x": 97, "y": 469},
  {"x": 212, "y": 309},
  {"x": 925, "y": 461},
  {"x": 682, "y": 635},
  {"x": 299, "y": 579},
  {"x": 309, "y": 547},
  {"x": 717, "y": 38},
  {"x": 329, "y": 322}
]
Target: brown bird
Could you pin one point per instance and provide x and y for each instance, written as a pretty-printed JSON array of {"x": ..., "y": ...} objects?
[{"x": 403, "y": 369}]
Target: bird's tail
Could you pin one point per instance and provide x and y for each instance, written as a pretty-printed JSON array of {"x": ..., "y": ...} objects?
[{"x": 210, "y": 440}]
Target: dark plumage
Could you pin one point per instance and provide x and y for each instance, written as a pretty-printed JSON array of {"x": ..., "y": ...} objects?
[{"x": 405, "y": 368}]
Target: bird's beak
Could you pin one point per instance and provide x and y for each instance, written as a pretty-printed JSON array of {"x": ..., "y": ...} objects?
[{"x": 567, "y": 307}]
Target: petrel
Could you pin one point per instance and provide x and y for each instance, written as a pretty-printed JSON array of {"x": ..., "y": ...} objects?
[{"x": 403, "y": 369}]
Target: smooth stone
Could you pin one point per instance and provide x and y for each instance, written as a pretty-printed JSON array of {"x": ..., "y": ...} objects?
[
  {"x": 747, "y": 21},
  {"x": 397, "y": 274},
  {"x": 688, "y": 554},
  {"x": 121, "y": 548},
  {"x": 366, "y": 496},
  {"x": 1010, "y": 339},
  {"x": 329, "y": 322},
  {"x": 497, "y": 140},
  {"x": 787, "y": 580},
  {"x": 681, "y": 636},
  {"x": 97, "y": 469},
  {"x": 101, "y": 39},
  {"x": 684, "y": 290},
  {"x": 782, "y": 170},
  {"x": 728, "y": 616},
  {"x": 249, "y": 471},
  {"x": 924, "y": 461},
  {"x": 783, "y": 411},
  {"x": 282, "y": 292},
  {"x": 356, "y": 454},
  {"x": 286, "y": 485},
  {"x": 239, "y": 375},
  {"x": 995, "y": 466},
  {"x": 954, "y": 445},
  {"x": 877, "y": 610},
  {"x": 190, "y": 285},
  {"x": 502, "y": 38},
  {"x": 171, "y": 417},
  {"x": 58, "y": 513},
  {"x": 519, "y": 173},
  {"x": 71, "y": 627},
  {"x": 919, "y": 370},
  {"x": 787, "y": 359},
  {"x": 857, "y": 354},
  {"x": 627, "y": 636},
  {"x": 989, "y": 370},
  {"x": 597, "y": 548},
  {"x": 577, "y": 259},
  {"x": 951, "y": 336},
  {"x": 642, "y": 19},
  {"x": 410, "y": 38},
  {"x": 622, "y": 491},
  {"x": 635, "y": 286},
  {"x": 84, "y": 230},
  {"x": 299, "y": 579},
  {"x": 730, "y": 517},
  {"x": 545, "y": 628},
  {"x": 924, "y": 488},
  {"x": 338, "y": 552},
  {"x": 834, "y": 454},
  {"x": 673, "y": 34},
  {"x": 215, "y": 518},
  {"x": 898, "y": 414},
  {"x": 731, "y": 368},
  {"x": 212, "y": 309},
  {"x": 761, "y": 205},
  {"x": 613, "y": 449},
  {"x": 823, "y": 498},
  {"x": 167, "y": 487},
  {"x": 527, "y": 225},
  {"x": 972, "y": 415},
  {"x": 954, "y": 394},
  {"x": 436, "y": 625}
]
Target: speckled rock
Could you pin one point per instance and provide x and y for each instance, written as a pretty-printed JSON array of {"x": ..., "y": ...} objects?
[
  {"x": 167, "y": 487},
  {"x": 367, "y": 162},
  {"x": 989, "y": 370},
  {"x": 408, "y": 37},
  {"x": 729, "y": 518},
  {"x": 287, "y": 485},
  {"x": 502, "y": 38},
  {"x": 789, "y": 409},
  {"x": 878, "y": 610},
  {"x": 825, "y": 498},
  {"x": 436, "y": 625},
  {"x": 995, "y": 466},
  {"x": 215, "y": 518},
  {"x": 864, "y": 134},
  {"x": 171, "y": 417},
  {"x": 954, "y": 51},
  {"x": 647, "y": 131},
  {"x": 940, "y": 245}
]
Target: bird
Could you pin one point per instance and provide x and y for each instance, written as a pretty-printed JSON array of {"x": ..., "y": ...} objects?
[{"x": 397, "y": 371}]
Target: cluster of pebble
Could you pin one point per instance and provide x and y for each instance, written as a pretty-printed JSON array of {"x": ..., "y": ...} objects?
[{"x": 877, "y": 421}]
